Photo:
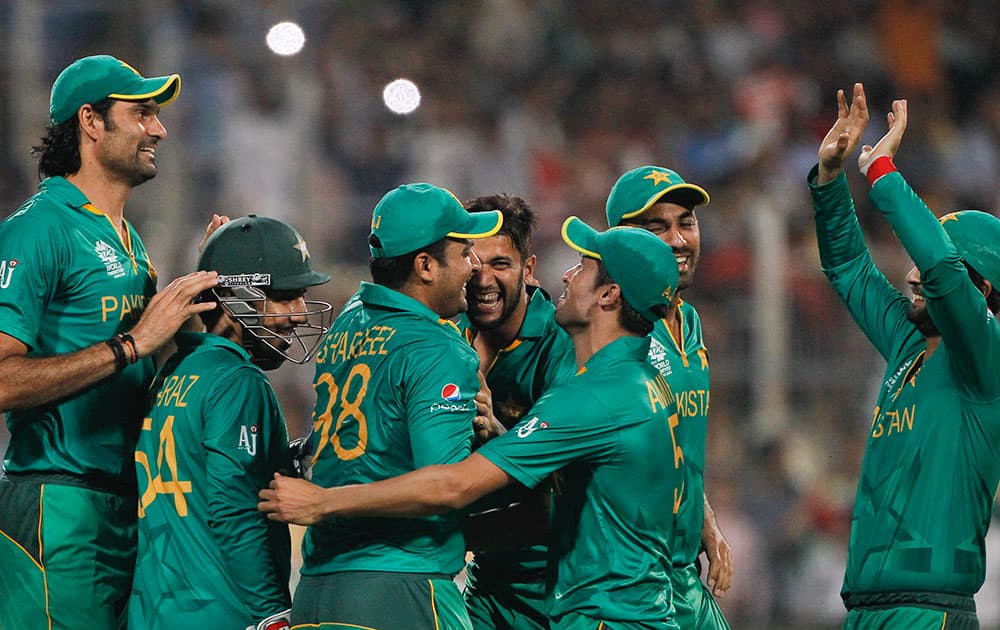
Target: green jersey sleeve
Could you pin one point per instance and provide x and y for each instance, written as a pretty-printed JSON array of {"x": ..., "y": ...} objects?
[
  {"x": 29, "y": 273},
  {"x": 956, "y": 306},
  {"x": 558, "y": 430},
  {"x": 875, "y": 304},
  {"x": 244, "y": 444},
  {"x": 440, "y": 405}
]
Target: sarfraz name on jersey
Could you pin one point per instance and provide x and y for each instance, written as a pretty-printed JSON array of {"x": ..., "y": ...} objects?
[{"x": 246, "y": 280}]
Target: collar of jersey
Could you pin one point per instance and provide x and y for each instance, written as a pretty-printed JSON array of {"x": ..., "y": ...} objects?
[
  {"x": 378, "y": 295},
  {"x": 193, "y": 339},
  {"x": 539, "y": 314},
  {"x": 63, "y": 190},
  {"x": 625, "y": 348}
]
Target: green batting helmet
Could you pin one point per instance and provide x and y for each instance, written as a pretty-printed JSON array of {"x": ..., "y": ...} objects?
[
  {"x": 255, "y": 257},
  {"x": 261, "y": 252}
]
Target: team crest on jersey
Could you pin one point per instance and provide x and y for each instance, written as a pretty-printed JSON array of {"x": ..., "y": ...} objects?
[
  {"x": 658, "y": 357},
  {"x": 531, "y": 426},
  {"x": 248, "y": 439},
  {"x": 109, "y": 257},
  {"x": 450, "y": 392},
  {"x": 6, "y": 272}
]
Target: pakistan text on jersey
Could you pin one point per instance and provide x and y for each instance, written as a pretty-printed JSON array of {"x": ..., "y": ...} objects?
[
  {"x": 693, "y": 403},
  {"x": 345, "y": 345},
  {"x": 893, "y": 422},
  {"x": 125, "y": 307}
]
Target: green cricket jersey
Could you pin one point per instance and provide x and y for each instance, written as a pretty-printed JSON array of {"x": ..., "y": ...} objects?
[
  {"x": 685, "y": 366},
  {"x": 213, "y": 439},
  {"x": 612, "y": 428},
  {"x": 541, "y": 356},
  {"x": 68, "y": 281},
  {"x": 932, "y": 461},
  {"x": 394, "y": 392}
]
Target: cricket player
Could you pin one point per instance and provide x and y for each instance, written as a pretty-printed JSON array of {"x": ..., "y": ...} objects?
[
  {"x": 610, "y": 427},
  {"x": 523, "y": 352},
  {"x": 215, "y": 435},
  {"x": 395, "y": 387},
  {"x": 79, "y": 322},
  {"x": 659, "y": 200},
  {"x": 916, "y": 554}
]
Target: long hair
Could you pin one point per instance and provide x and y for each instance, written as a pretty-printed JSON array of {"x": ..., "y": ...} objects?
[{"x": 59, "y": 152}]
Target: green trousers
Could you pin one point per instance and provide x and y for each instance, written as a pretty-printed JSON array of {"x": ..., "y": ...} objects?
[{"x": 67, "y": 552}]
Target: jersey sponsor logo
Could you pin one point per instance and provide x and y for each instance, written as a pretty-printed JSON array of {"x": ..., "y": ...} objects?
[
  {"x": 246, "y": 280},
  {"x": 658, "y": 357},
  {"x": 109, "y": 257},
  {"x": 248, "y": 439},
  {"x": 450, "y": 392},
  {"x": 530, "y": 427},
  {"x": 469, "y": 406},
  {"x": 6, "y": 272}
]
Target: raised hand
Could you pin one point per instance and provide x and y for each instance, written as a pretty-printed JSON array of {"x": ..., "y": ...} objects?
[
  {"x": 844, "y": 135},
  {"x": 889, "y": 144}
]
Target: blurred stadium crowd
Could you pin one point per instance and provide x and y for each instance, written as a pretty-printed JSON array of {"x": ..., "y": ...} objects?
[{"x": 551, "y": 100}]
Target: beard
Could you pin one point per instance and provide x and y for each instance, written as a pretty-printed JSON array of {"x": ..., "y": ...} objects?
[
  {"x": 920, "y": 318},
  {"x": 509, "y": 306}
]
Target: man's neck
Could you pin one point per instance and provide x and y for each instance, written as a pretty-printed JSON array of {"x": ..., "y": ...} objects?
[
  {"x": 590, "y": 340},
  {"x": 104, "y": 192}
]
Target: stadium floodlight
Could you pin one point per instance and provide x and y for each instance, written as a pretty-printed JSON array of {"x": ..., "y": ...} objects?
[
  {"x": 401, "y": 96},
  {"x": 286, "y": 38}
]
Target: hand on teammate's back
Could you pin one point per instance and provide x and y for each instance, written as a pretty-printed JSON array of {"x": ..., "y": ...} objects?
[{"x": 170, "y": 308}]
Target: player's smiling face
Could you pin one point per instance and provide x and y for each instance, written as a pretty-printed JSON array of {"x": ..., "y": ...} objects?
[
  {"x": 127, "y": 150},
  {"x": 573, "y": 308},
  {"x": 496, "y": 291},
  {"x": 451, "y": 277},
  {"x": 677, "y": 226}
]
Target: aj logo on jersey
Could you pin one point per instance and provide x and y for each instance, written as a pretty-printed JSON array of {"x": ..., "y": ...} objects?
[
  {"x": 6, "y": 272},
  {"x": 248, "y": 439}
]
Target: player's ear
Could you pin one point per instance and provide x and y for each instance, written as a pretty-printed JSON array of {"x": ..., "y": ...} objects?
[
  {"x": 609, "y": 295},
  {"x": 529, "y": 270},
  {"x": 424, "y": 266}
]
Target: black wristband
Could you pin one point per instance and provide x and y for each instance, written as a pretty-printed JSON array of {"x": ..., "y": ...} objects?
[{"x": 120, "y": 359}]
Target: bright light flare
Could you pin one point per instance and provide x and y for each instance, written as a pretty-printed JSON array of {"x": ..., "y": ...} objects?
[
  {"x": 286, "y": 39},
  {"x": 401, "y": 96}
]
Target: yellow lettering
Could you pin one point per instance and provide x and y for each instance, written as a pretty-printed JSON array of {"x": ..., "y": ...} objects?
[
  {"x": 105, "y": 308},
  {"x": 163, "y": 398},
  {"x": 194, "y": 379}
]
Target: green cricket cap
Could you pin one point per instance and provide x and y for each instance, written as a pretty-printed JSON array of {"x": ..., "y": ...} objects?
[
  {"x": 415, "y": 215},
  {"x": 639, "y": 262},
  {"x": 639, "y": 189},
  {"x": 976, "y": 236},
  {"x": 92, "y": 79},
  {"x": 260, "y": 252}
]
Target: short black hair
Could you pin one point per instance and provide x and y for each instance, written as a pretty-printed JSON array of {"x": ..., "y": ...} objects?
[
  {"x": 628, "y": 317},
  {"x": 395, "y": 271},
  {"x": 59, "y": 151},
  {"x": 518, "y": 219}
]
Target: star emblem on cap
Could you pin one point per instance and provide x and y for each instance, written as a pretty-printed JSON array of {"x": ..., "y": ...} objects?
[
  {"x": 301, "y": 246},
  {"x": 658, "y": 177},
  {"x": 948, "y": 217}
]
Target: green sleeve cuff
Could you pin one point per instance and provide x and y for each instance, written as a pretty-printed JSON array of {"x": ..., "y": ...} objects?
[{"x": 838, "y": 233}]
